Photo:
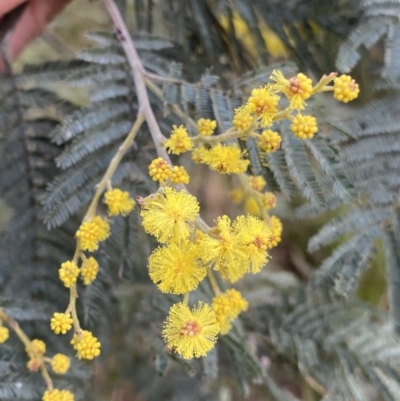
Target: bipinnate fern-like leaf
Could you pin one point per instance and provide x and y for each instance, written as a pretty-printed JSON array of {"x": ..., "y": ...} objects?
[{"x": 340, "y": 345}]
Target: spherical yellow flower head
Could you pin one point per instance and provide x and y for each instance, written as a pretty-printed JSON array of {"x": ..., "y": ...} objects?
[
  {"x": 86, "y": 346},
  {"x": 176, "y": 268},
  {"x": 39, "y": 347},
  {"x": 4, "y": 334},
  {"x": 191, "y": 333},
  {"x": 199, "y": 154},
  {"x": 91, "y": 233},
  {"x": 345, "y": 88},
  {"x": 57, "y": 395},
  {"x": 118, "y": 202},
  {"x": 159, "y": 170},
  {"x": 179, "y": 175},
  {"x": 89, "y": 270},
  {"x": 34, "y": 364},
  {"x": 179, "y": 141},
  {"x": 243, "y": 119},
  {"x": 297, "y": 89},
  {"x": 61, "y": 322},
  {"x": 268, "y": 200},
  {"x": 257, "y": 182},
  {"x": 304, "y": 126},
  {"x": 68, "y": 273},
  {"x": 254, "y": 236},
  {"x": 276, "y": 232},
  {"x": 170, "y": 215},
  {"x": 236, "y": 195},
  {"x": 60, "y": 364},
  {"x": 264, "y": 104},
  {"x": 226, "y": 159},
  {"x": 227, "y": 307},
  {"x": 206, "y": 126},
  {"x": 269, "y": 141},
  {"x": 223, "y": 250}
]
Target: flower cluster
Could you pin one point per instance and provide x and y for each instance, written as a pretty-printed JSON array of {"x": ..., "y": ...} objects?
[
  {"x": 86, "y": 345},
  {"x": 92, "y": 232},
  {"x": 227, "y": 307},
  {"x": 57, "y": 395},
  {"x": 118, "y": 202}
]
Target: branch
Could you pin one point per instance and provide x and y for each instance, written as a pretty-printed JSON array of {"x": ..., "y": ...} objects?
[{"x": 139, "y": 76}]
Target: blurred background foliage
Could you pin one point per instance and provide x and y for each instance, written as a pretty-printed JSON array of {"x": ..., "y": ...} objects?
[{"x": 318, "y": 326}]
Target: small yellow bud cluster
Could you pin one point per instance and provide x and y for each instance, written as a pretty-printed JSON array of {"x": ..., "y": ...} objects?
[
  {"x": 179, "y": 141},
  {"x": 179, "y": 175},
  {"x": 118, "y": 202},
  {"x": 242, "y": 119},
  {"x": 92, "y": 232},
  {"x": 206, "y": 126},
  {"x": 345, "y": 88},
  {"x": 257, "y": 182},
  {"x": 86, "y": 345},
  {"x": 4, "y": 334},
  {"x": 227, "y": 308},
  {"x": 159, "y": 170},
  {"x": 268, "y": 200},
  {"x": 304, "y": 127},
  {"x": 60, "y": 364},
  {"x": 38, "y": 346},
  {"x": 57, "y": 395},
  {"x": 269, "y": 141},
  {"x": 69, "y": 273},
  {"x": 276, "y": 232},
  {"x": 89, "y": 270},
  {"x": 60, "y": 323},
  {"x": 199, "y": 154}
]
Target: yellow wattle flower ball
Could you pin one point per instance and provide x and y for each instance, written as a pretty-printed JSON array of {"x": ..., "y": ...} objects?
[
  {"x": 206, "y": 126},
  {"x": 264, "y": 104},
  {"x": 37, "y": 347},
  {"x": 179, "y": 175},
  {"x": 170, "y": 215},
  {"x": 4, "y": 334},
  {"x": 257, "y": 182},
  {"x": 227, "y": 307},
  {"x": 60, "y": 364},
  {"x": 345, "y": 88},
  {"x": 226, "y": 159},
  {"x": 243, "y": 119},
  {"x": 304, "y": 126},
  {"x": 199, "y": 154},
  {"x": 159, "y": 170},
  {"x": 191, "y": 333},
  {"x": 269, "y": 141},
  {"x": 86, "y": 346},
  {"x": 68, "y": 273},
  {"x": 92, "y": 232},
  {"x": 57, "y": 395},
  {"x": 253, "y": 237},
  {"x": 179, "y": 141},
  {"x": 276, "y": 227},
  {"x": 89, "y": 270},
  {"x": 118, "y": 202},
  {"x": 297, "y": 89},
  {"x": 176, "y": 268},
  {"x": 61, "y": 322},
  {"x": 223, "y": 250},
  {"x": 268, "y": 200}
]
